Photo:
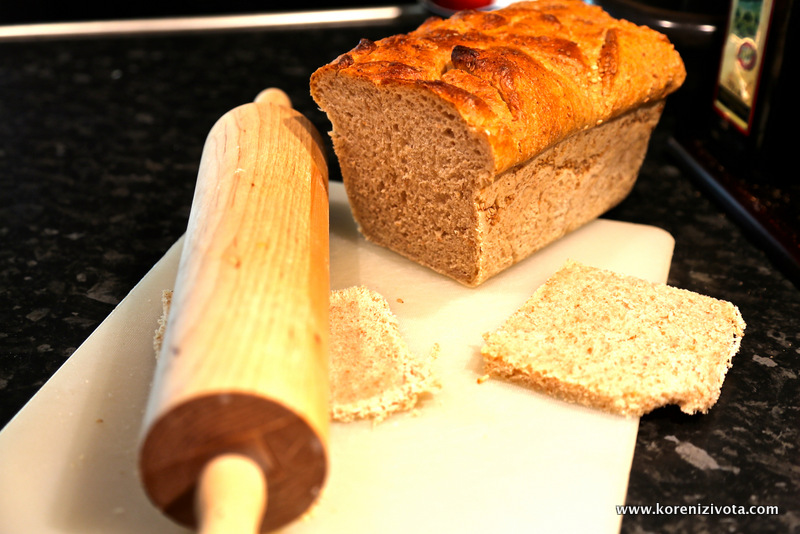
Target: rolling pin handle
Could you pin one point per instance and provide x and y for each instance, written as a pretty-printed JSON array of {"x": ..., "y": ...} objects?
[
  {"x": 273, "y": 95},
  {"x": 231, "y": 496}
]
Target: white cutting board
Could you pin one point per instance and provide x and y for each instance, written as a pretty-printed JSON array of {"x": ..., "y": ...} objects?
[{"x": 474, "y": 458}]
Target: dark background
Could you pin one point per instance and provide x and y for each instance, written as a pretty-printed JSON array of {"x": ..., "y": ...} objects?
[{"x": 17, "y": 12}]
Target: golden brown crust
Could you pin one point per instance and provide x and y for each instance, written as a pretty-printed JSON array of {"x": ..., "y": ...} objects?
[{"x": 526, "y": 76}]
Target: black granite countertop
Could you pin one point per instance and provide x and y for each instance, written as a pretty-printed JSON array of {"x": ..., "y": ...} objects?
[{"x": 100, "y": 140}]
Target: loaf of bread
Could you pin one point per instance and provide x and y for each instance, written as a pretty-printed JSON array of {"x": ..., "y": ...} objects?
[
  {"x": 473, "y": 141},
  {"x": 617, "y": 343}
]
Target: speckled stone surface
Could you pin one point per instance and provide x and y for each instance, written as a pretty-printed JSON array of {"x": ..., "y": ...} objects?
[{"x": 100, "y": 140}]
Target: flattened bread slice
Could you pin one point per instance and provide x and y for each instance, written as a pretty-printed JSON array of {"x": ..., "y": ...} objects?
[
  {"x": 617, "y": 343},
  {"x": 373, "y": 374}
]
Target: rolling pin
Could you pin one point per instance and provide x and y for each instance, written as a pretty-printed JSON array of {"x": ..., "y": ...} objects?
[{"x": 235, "y": 433}]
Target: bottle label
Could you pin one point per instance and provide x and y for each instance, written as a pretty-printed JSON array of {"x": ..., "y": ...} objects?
[{"x": 742, "y": 59}]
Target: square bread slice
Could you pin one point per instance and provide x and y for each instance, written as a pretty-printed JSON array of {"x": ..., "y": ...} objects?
[{"x": 617, "y": 343}]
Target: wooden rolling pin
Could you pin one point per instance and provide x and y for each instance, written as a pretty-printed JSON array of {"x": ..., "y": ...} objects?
[{"x": 235, "y": 433}]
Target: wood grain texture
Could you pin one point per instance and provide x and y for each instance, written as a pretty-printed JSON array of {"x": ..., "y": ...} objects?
[{"x": 243, "y": 368}]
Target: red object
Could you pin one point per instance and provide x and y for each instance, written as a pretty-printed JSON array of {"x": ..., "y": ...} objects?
[{"x": 462, "y": 4}]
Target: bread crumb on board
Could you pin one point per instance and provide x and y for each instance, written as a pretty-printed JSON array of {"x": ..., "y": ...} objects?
[
  {"x": 372, "y": 372},
  {"x": 158, "y": 338},
  {"x": 617, "y": 343}
]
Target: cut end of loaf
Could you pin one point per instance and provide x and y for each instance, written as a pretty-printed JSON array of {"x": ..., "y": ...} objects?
[
  {"x": 409, "y": 164},
  {"x": 617, "y": 343}
]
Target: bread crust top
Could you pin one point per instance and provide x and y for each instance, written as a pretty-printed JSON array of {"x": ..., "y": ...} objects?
[{"x": 526, "y": 76}]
